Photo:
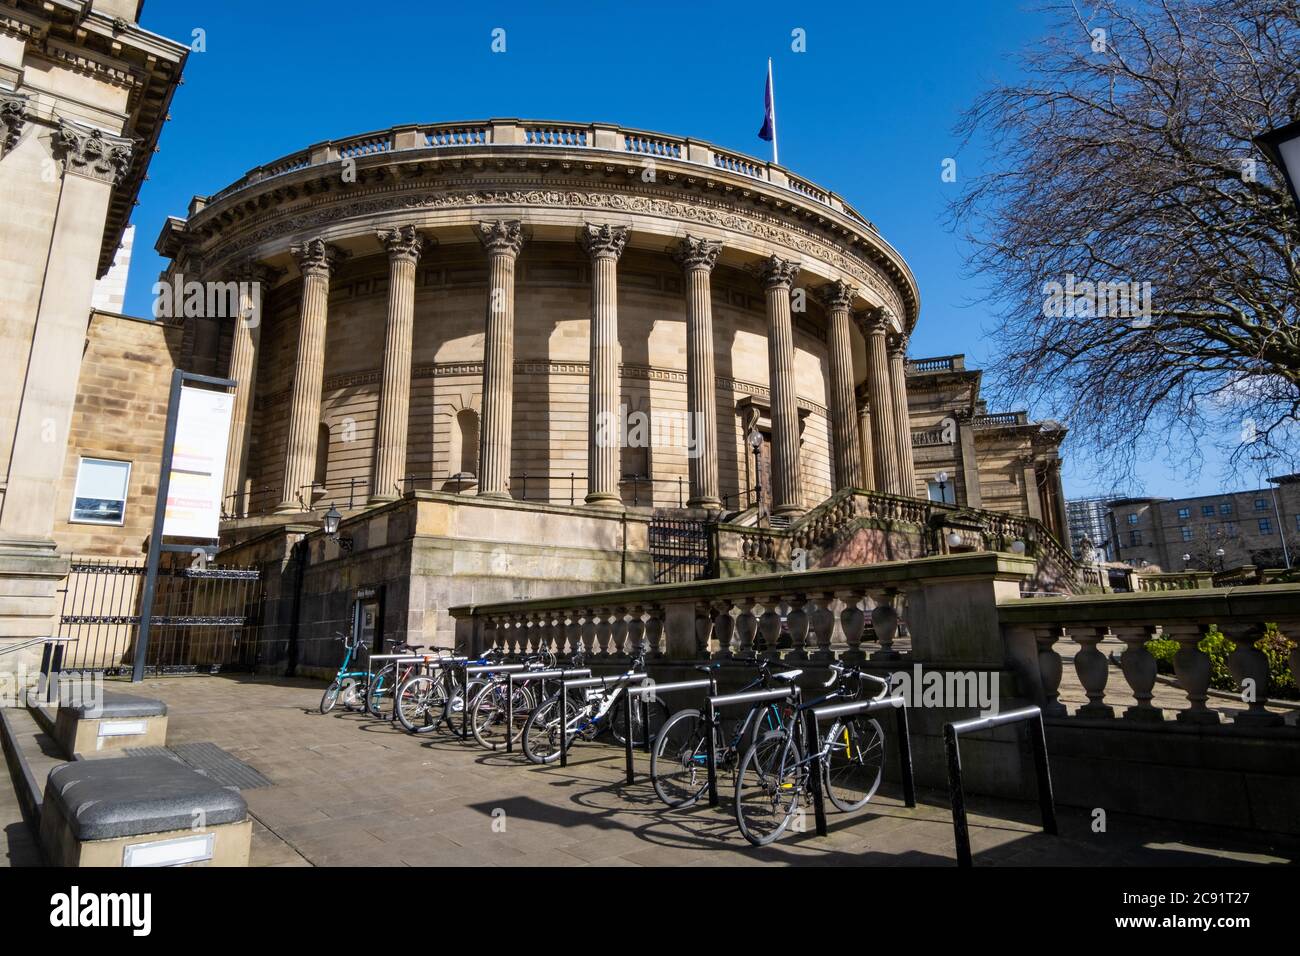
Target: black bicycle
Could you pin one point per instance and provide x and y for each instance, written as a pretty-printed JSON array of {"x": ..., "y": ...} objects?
[
  {"x": 679, "y": 760},
  {"x": 774, "y": 774}
]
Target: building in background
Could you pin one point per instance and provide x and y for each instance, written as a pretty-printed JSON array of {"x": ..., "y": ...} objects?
[
  {"x": 1260, "y": 527},
  {"x": 1090, "y": 518},
  {"x": 998, "y": 461},
  {"x": 110, "y": 291}
]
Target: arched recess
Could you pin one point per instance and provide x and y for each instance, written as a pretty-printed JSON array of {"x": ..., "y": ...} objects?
[
  {"x": 462, "y": 440},
  {"x": 320, "y": 477}
]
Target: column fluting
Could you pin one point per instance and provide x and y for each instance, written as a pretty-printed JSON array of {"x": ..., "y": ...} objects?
[
  {"x": 883, "y": 444},
  {"x": 317, "y": 260},
  {"x": 255, "y": 280},
  {"x": 502, "y": 239},
  {"x": 778, "y": 277},
  {"x": 404, "y": 247},
  {"x": 605, "y": 244},
  {"x": 838, "y": 297},
  {"x": 902, "y": 417},
  {"x": 697, "y": 258}
]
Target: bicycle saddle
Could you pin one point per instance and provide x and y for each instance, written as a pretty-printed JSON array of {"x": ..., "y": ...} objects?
[
  {"x": 787, "y": 675},
  {"x": 706, "y": 668}
]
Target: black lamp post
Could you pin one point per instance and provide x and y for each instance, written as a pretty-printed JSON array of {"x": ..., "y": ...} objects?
[
  {"x": 330, "y": 525},
  {"x": 1282, "y": 147},
  {"x": 756, "y": 443}
]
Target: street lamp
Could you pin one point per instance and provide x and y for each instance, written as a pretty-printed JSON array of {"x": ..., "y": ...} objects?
[
  {"x": 1282, "y": 147},
  {"x": 942, "y": 479},
  {"x": 756, "y": 443},
  {"x": 330, "y": 525},
  {"x": 1218, "y": 554}
]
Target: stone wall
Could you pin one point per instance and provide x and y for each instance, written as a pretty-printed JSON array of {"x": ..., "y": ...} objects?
[{"x": 120, "y": 415}]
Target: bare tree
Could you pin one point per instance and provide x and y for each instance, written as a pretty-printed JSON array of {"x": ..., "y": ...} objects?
[{"x": 1143, "y": 257}]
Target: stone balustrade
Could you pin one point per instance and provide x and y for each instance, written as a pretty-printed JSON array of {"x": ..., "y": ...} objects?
[
  {"x": 512, "y": 132},
  {"x": 944, "y": 604},
  {"x": 1175, "y": 581},
  {"x": 1033, "y": 627}
]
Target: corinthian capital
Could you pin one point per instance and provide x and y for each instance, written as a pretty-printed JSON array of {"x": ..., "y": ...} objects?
[
  {"x": 250, "y": 270},
  {"x": 778, "y": 273},
  {"x": 404, "y": 242},
  {"x": 504, "y": 236},
  {"x": 898, "y": 344},
  {"x": 317, "y": 257},
  {"x": 13, "y": 117},
  {"x": 695, "y": 253},
  {"x": 604, "y": 240},
  {"x": 877, "y": 321},
  {"x": 837, "y": 295},
  {"x": 93, "y": 153}
]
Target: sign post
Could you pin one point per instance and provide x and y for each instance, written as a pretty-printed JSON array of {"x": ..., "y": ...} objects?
[{"x": 198, "y": 420}]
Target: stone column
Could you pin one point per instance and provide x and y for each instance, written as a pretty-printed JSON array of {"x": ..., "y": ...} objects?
[
  {"x": 1029, "y": 475},
  {"x": 404, "y": 246},
  {"x": 316, "y": 260},
  {"x": 883, "y": 443},
  {"x": 697, "y": 258},
  {"x": 864, "y": 439},
  {"x": 604, "y": 244},
  {"x": 502, "y": 239},
  {"x": 255, "y": 281},
  {"x": 838, "y": 297},
  {"x": 902, "y": 417},
  {"x": 778, "y": 277}
]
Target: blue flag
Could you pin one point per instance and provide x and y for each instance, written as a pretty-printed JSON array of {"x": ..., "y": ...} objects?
[{"x": 768, "y": 132}]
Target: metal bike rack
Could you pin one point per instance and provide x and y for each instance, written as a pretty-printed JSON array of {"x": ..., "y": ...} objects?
[
  {"x": 653, "y": 690},
  {"x": 854, "y": 709},
  {"x": 731, "y": 700},
  {"x": 582, "y": 683},
  {"x": 428, "y": 660},
  {"x": 553, "y": 674},
  {"x": 474, "y": 670},
  {"x": 1038, "y": 739}
]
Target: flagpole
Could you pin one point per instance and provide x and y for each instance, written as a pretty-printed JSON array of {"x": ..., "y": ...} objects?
[{"x": 771, "y": 86}]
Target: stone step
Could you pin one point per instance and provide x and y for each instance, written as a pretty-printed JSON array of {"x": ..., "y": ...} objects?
[{"x": 30, "y": 755}]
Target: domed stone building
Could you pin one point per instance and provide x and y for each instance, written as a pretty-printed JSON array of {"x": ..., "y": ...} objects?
[{"x": 504, "y": 350}]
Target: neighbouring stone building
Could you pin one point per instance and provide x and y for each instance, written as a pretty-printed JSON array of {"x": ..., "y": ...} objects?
[
  {"x": 84, "y": 91},
  {"x": 1259, "y": 527}
]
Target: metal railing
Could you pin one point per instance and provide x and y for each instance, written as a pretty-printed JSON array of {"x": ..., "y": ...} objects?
[
  {"x": 1033, "y": 716},
  {"x": 713, "y": 727},
  {"x": 555, "y": 674},
  {"x": 652, "y": 690}
]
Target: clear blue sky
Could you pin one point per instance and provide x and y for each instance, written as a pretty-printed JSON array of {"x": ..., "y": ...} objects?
[{"x": 866, "y": 111}]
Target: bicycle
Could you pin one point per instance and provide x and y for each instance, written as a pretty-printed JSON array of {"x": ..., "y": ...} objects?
[
  {"x": 427, "y": 700},
  {"x": 679, "y": 760},
  {"x": 387, "y": 678},
  {"x": 774, "y": 774},
  {"x": 591, "y": 711},
  {"x": 350, "y": 685},
  {"x": 490, "y": 707}
]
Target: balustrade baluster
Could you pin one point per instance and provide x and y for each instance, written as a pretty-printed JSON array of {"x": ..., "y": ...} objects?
[
  {"x": 724, "y": 629},
  {"x": 797, "y": 621},
  {"x": 822, "y": 620},
  {"x": 1249, "y": 668},
  {"x": 1093, "y": 669},
  {"x": 746, "y": 628},
  {"x": 619, "y": 632},
  {"x": 654, "y": 632},
  {"x": 703, "y": 631},
  {"x": 853, "y": 620},
  {"x": 884, "y": 625},
  {"x": 1139, "y": 669},
  {"x": 636, "y": 630},
  {"x": 769, "y": 627},
  {"x": 1049, "y": 669},
  {"x": 1193, "y": 670}
]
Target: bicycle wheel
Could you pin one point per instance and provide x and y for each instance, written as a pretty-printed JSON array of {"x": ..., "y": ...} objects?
[
  {"x": 330, "y": 697},
  {"x": 489, "y": 713},
  {"x": 353, "y": 694},
  {"x": 420, "y": 702},
  {"x": 768, "y": 785},
  {"x": 658, "y": 717},
  {"x": 855, "y": 764},
  {"x": 541, "y": 734},
  {"x": 380, "y": 691},
  {"x": 678, "y": 762}
]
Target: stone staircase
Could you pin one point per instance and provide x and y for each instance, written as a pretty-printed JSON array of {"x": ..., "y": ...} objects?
[{"x": 30, "y": 754}]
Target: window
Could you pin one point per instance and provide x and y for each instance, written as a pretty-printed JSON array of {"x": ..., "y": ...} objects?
[
  {"x": 1184, "y": 513},
  {"x": 1261, "y": 504},
  {"x": 947, "y": 494},
  {"x": 1225, "y": 509},
  {"x": 1133, "y": 518},
  {"x": 1265, "y": 526},
  {"x": 100, "y": 495},
  {"x": 1187, "y": 533},
  {"x": 1135, "y": 538},
  {"x": 1231, "y": 528},
  {"x": 1207, "y": 511}
]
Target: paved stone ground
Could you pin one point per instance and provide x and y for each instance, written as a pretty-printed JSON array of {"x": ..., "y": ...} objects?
[{"x": 351, "y": 791}]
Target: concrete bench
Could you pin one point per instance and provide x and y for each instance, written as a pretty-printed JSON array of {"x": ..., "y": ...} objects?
[
  {"x": 141, "y": 811},
  {"x": 118, "y": 721}
]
